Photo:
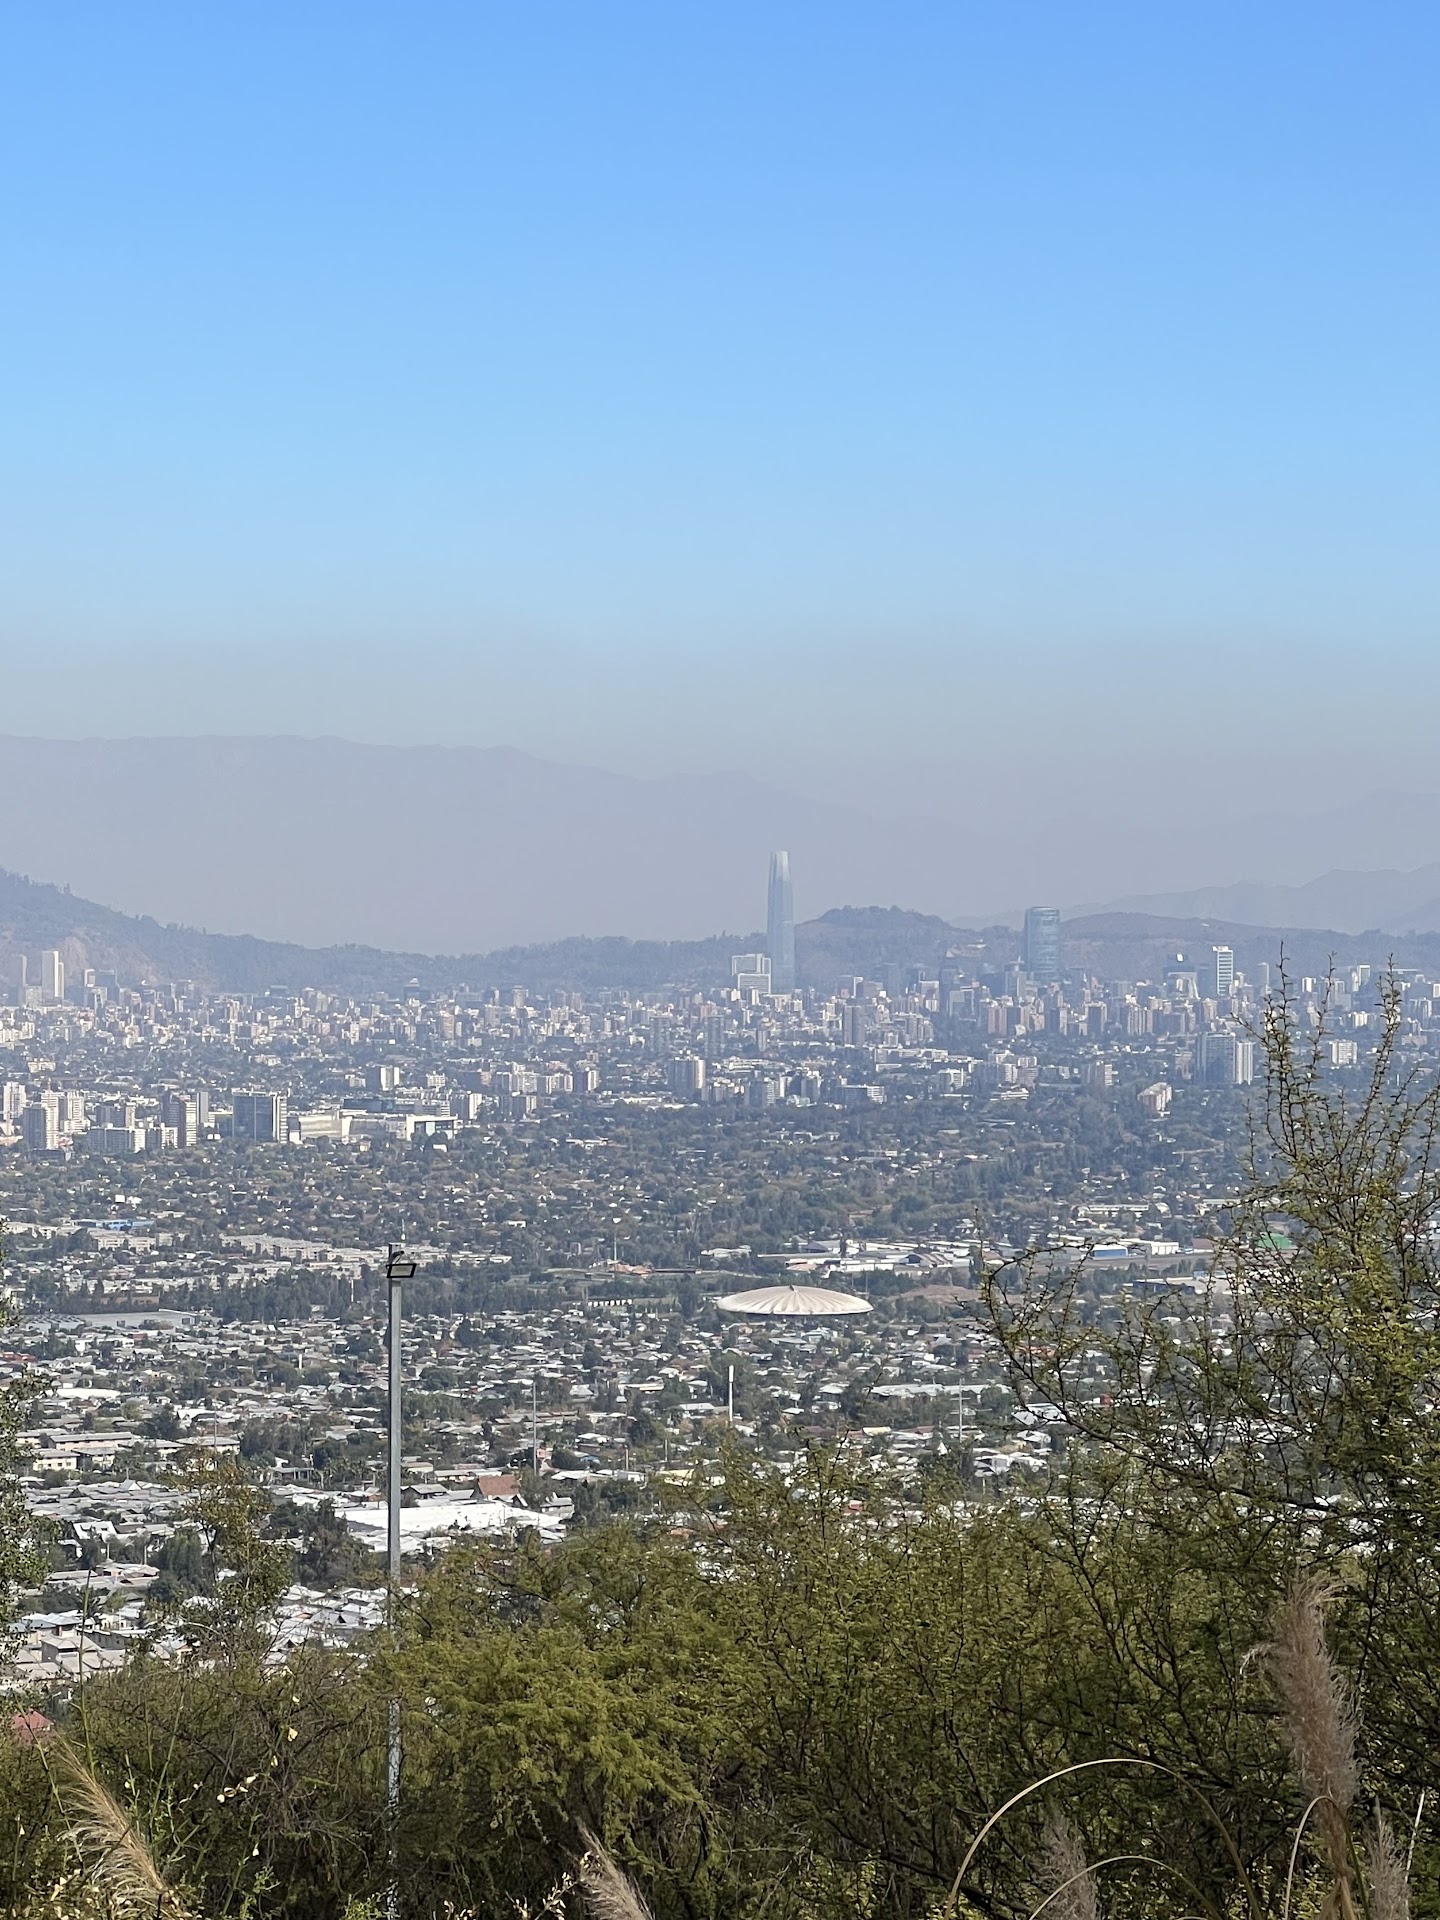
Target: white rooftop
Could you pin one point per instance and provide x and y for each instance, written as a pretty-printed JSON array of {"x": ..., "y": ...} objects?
[{"x": 794, "y": 1303}]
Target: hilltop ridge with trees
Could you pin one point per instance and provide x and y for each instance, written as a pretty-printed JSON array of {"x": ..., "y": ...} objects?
[{"x": 843, "y": 941}]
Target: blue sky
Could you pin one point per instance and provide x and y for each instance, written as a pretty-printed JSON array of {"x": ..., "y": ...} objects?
[{"x": 742, "y": 385}]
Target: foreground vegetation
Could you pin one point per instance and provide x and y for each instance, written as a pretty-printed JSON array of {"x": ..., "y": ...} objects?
[{"x": 808, "y": 1696}]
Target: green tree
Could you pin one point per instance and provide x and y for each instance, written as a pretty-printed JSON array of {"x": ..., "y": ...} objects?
[
  {"x": 245, "y": 1574},
  {"x": 22, "y": 1559},
  {"x": 331, "y": 1555},
  {"x": 564, "y": 1692},
  {"x": 183, "y": 1569},
  {"x": 1281, "y": 1422}
]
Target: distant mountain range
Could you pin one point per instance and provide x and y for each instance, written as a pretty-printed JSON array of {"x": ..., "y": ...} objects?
[
  {"x": 469, "y": 850},
  {"x": 436, "y": 850},
  {"x": 1349, "y": 901},
  {"x": 327, "y": 858}
]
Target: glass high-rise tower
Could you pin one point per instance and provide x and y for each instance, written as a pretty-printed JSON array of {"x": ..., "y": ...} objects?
[
  {"x": 780, "y": 925},
  {"x": 1042, "y": 943}
]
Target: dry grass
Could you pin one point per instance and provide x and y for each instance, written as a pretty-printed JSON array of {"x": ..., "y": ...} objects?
[
  {"x": 1319, "y": 1712},
  {"x": 608, "y": 1894},
  {"x": 114, "y": 1851},
  {"x": 1065, "y": 1876},
  {"x": 1320, "y": 1723},
  {"x": 1389, "y": 1881}
]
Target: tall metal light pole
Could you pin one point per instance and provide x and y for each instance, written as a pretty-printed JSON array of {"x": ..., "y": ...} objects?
[{"x": 397, "y": 1270}]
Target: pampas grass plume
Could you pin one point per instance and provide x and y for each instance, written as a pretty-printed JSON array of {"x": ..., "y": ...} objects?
[
  {"x": 105, "y": 1836},
  {"x": 1064, "y": 1872},
  {"x": 609, "y": 1895},
  {"x": 1319, "y": 1712},
  {"x": 1389, "y": 1884}
]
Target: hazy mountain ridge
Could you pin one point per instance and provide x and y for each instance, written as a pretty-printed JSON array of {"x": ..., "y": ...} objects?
[
  {"x": 445, "y": 850},
  {"x": 1346, "y": 899},
  {"x": 35, "y": 915},
  {"x": 1387, "y": 828},
  {"x": 404, "y": 854},
  {"x": 441, "y": 850},
  {"x": 1143, "y": 946}
]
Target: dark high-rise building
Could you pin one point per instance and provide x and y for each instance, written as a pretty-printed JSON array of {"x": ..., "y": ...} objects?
[
  {"x": 1224, "y": 1059},
  {"x": 182, "y": 1112},
  {"x": 260, "y": 1116},
  {"x": 1042, "y": 943},
  {"x": 780, "y": 925},
  {"x": 40, "y": 1123}
]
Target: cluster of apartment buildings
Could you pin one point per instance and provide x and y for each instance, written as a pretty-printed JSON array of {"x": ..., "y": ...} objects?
[{"x": 141, "y": 1069}]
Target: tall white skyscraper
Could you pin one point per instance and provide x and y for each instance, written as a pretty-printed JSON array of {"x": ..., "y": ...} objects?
[
  {"x": 780, "y": 925},
  {"x": 52, "y": 975},
  {"x": 1224, "y": 972}
]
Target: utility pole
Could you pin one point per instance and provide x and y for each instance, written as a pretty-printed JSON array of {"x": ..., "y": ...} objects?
[
  {"x": 397, "y": 1270},
  {"x": 730, "y": 1396},
  {"x": 534, "y": 1428}
]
